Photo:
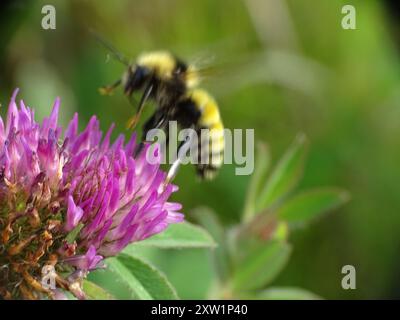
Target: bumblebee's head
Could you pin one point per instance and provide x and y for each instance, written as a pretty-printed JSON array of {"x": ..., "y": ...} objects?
[
  {"x": 158, "y": 66},
  {"x": 135, "y": 78}
]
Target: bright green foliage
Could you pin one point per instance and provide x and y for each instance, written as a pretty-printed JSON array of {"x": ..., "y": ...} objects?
[{"x": 246, "y": 257}]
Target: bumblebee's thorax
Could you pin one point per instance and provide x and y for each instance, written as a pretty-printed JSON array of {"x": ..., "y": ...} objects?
[
  {"x": 162, "y": 63},
  {"x": 169, "y": 92}
]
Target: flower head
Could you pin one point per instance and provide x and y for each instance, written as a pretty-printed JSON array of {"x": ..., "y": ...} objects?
[{"x": 69, "y": 200}]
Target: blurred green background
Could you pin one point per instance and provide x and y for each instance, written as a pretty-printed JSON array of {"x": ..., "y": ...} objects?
[{"x": 290, "y": 68}]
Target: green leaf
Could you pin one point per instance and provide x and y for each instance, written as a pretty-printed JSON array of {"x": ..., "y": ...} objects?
[
  {"x": 209, "y": 220},
  {"x": 286, "y": 174},
  {"x": 94, "y": 292},
  {"x": 180, "y": 235},
  {"x": 109, "y": 281},
  {"x": 220, "y": 255},
  {"x": 284, "y": 293},
  {"x": 310, "y": 204},
  {"x": 261, "y": 265},
  {"x": 260, "y": 170},
  {"x": 144, "y": 281},
  {"x": 281, "y": 232}
]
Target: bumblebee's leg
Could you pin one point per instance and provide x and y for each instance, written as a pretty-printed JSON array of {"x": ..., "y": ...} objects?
[
  {"x": 157, "y": 121},
  {"x": 145, "y": 96},
  {"x": 132, "y": 122},
  {"x": 187, "y": 116},
  {"x": 177, "y": 163},
  {"x": 173, "y": 171},
  {"x": 107, "y": 90}
]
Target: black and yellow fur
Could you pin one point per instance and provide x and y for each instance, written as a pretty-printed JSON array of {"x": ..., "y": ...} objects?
[{"x": 172, "y": 85}]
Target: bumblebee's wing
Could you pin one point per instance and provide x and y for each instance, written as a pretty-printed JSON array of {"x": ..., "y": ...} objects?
[
  {"x": 110, "y": 47},
  {"x": 288, "y": 70},
  {"x": 237, "y": 62},
  {"x": 212, "y": 60},
  {"x": 218, "y": 72}
]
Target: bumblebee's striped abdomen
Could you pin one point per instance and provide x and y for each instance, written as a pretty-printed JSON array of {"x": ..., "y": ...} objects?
[{"x": 209, "y": 160}]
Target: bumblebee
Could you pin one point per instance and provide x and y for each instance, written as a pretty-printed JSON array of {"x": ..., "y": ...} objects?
[
  {"x": 161, "y": 77},
  {"x": 206, "y": 113},
  {"x": 197, "y": 110},
  {"x": 172, "y": 85}
]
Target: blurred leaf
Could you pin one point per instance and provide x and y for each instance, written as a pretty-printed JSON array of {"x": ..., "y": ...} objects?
[
  {"x": 94, "y": 292},
  {"x": 261, "y": 265},
  {"x": 144, "y": 281},
  {"x": 285, "y": 175},
  {"x": 261, "y": 167},
  {"x": 309, "y": 204},
  {"x": 258, "y": 231},
  {"x": 284, "y": 293},
  {"x": 221, "y": 258},
  {"x": 180, "y": 235},
  {"x": 281, "y": 232}
]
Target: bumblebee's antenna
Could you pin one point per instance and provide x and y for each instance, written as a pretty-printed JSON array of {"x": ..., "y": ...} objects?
[{"x": 105, "y": 43}]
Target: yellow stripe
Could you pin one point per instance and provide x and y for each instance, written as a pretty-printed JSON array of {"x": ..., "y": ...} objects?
[
  {"x": 211, "y": 119},
  {"x": 192, "y": 77},
  {"x": 210, "y": 115},
  {"x": 213, "y": 135},
  {"x": 218, "y": 126},
  {"x": 207, "y": 106},
  {"x": 218, "y": 145},
  {"x": 216, "y": 134},
  {"x": 161, "y": 62},
  {"x": 216, "y": 160}
]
